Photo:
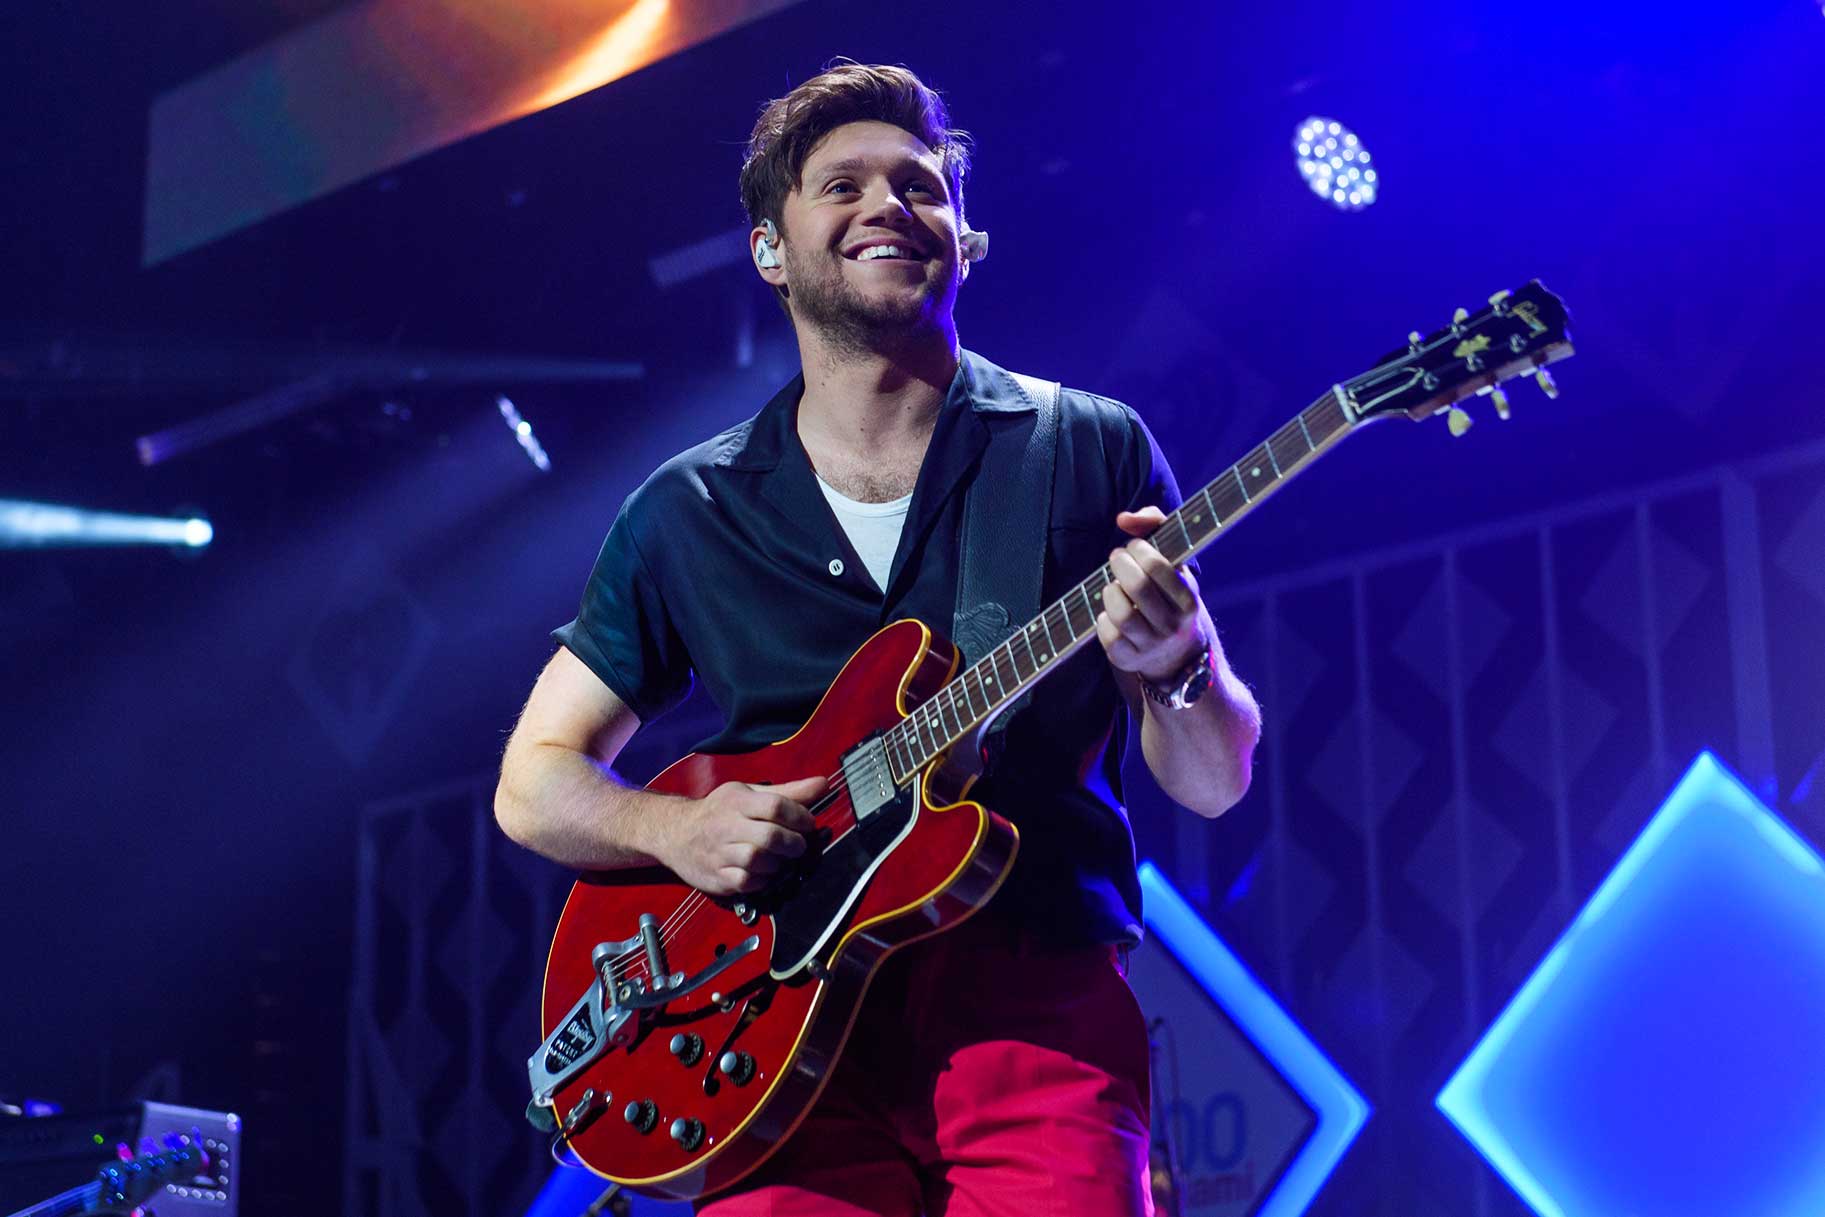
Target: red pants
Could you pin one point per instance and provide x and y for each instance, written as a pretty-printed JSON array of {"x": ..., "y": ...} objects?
[{"x": 985, "y": 1078}]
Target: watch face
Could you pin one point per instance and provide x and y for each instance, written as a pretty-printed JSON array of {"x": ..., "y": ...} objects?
[
  {"x": 1189, "y": 688},
  {"x": 1199, "y": 679}
]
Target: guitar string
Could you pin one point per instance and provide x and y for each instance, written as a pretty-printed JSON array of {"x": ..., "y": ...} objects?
[
  {"x": 675, "y": 922},
  {"x": 678, "y": 920},
  {"x": 687, "y": 909}
]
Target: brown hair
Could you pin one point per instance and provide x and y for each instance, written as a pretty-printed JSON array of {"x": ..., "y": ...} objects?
[{"x": 789, "y": 128}]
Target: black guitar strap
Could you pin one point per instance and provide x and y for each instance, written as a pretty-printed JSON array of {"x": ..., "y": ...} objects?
[{"x": 1006, "y": 512}]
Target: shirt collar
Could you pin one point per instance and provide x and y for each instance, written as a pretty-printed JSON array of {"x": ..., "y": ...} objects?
[{"x": 762, "y": 442}]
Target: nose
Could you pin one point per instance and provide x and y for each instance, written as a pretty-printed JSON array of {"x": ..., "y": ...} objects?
[{"x": 886, "y": 209}]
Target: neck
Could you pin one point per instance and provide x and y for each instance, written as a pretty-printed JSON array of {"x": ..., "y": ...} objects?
[{"x": 878, "y": 400}]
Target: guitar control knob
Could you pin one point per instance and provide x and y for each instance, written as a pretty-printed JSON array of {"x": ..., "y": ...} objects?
[
  {"x": 687, "y": 1048},
  {"x": 737, "y": 1066},
  {"x": 687, "y": 1132},
  {"x": 643, "y": 1114}
]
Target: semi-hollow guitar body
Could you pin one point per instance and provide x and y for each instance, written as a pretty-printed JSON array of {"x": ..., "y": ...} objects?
[
  {"x": 710, "y": 1079},
  {"x": 686, "y": 1037}
]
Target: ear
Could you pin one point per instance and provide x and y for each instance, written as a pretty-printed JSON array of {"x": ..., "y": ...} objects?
[
  {"x": 775, "y": 275},
  {"x": 972, "y": 246}
]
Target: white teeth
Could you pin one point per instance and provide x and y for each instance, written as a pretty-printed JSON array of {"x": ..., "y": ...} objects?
[{"x": 884, "y": 251}]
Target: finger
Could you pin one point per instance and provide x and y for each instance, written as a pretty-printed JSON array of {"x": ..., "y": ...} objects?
[
  {"x": 1121, "y": 652},
  {"x": 749, "y": 856},
  {"x": 1167, "y": 577},
  {"x": 780, "y": 842},
  {"x": 1146, "y": 594},
  {"x": 785, "y": 803},
  {"x": 1140, "y": 523},
  {"x": 1129, "y": 623},
  {"x": 799, "y": 789},
  {"x": 738, "y": 879}
]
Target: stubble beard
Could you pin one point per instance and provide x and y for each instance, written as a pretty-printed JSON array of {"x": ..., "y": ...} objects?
[{"x": 853, "y": 323}]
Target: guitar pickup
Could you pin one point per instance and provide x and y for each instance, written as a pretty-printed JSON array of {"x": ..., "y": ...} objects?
[{"x": 868, "y": 777}]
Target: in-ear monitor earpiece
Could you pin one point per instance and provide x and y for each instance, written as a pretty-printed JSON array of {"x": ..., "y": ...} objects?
[{"x": 764, "y": 255}]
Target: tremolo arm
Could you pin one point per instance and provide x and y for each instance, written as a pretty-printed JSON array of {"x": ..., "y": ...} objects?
[{"x": 609, "y": 1012}]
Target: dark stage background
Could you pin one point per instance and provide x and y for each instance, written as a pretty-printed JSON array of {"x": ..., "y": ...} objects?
[{"x": 1483, "y": 661}]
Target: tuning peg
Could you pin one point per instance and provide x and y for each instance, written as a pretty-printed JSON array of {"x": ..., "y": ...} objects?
[
  {"x": 1458, "y": 421},
  {"x": 1501, "y": 403},
  {"x": 1547, "y": 384},
  {"x": 1498, "y": 301},
  {"x": 1413, "y": 339},
  {"x": 1460, "y": 316}
]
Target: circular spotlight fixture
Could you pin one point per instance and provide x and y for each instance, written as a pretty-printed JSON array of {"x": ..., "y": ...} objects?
[{"x": 1334, "y": 164}]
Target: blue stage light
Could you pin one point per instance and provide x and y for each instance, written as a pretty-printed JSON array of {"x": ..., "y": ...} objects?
[
  {"x": 1334, "y": 164},
  {"x": 28, "y": 525},
  {"x": 1341, "y": 1111},
  {"x": 1665, "y": 1059}
]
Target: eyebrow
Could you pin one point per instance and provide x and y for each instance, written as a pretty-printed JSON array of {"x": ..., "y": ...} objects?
[{"x": 856, "y": 164}]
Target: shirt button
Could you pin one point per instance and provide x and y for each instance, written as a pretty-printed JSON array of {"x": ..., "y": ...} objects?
[{"x": 836, "y": 566}]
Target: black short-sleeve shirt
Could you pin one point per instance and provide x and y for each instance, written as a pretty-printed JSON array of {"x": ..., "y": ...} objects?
[{"x": 728, "y": 565}]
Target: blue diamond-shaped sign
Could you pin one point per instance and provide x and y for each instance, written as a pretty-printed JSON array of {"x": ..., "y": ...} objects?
[
  {"x": 1302, "y": 1134},
  {"x": 1667, "y": 1057}
]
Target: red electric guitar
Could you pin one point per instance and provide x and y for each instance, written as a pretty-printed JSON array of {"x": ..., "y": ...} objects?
[{"x": 685, "y": 1036}]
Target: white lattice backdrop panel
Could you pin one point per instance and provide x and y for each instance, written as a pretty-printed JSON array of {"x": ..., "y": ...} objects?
[{"x": 1463, "y": 735}]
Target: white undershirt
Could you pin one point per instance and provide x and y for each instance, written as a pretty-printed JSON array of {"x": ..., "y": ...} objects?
[{"x": 873, "y": 528}]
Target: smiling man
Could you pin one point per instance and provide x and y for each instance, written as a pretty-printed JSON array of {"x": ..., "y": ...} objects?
[{"x": 999, "y": 1068}]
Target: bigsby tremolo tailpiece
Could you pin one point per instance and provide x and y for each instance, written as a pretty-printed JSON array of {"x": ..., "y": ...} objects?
[{"x": 609, "y": 1013}]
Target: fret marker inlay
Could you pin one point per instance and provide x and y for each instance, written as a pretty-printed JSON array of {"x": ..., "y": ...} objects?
[{"x": 977, "y": 693}]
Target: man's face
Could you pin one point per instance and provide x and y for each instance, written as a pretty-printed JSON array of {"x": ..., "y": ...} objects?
[{"x": 870, "y": 238}]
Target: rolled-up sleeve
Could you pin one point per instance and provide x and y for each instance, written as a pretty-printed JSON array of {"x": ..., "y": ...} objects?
[{"x": 622, "y": 630}]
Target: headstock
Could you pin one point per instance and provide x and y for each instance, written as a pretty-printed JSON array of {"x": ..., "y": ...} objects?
[
  {"x": 125, "y": 1184},
  {"x": 1517, "y": 333}
]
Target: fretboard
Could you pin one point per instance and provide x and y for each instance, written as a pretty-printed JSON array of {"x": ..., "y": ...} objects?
[
  {"x": 76, "y": 1200},
  {"x": 984, "y": 688}
]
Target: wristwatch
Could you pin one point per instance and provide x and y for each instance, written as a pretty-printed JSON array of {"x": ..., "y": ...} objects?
[{"x": 1186, "y": 686}]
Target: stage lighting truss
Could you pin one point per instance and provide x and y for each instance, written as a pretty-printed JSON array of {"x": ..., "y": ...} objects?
[{"x": 1334, "y": 164}]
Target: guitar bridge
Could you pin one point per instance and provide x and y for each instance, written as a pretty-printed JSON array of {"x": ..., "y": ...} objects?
[{"x": 609, "y": 1012}]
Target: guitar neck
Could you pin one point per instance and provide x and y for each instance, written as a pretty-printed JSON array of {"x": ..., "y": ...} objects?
[
  {"x": 1029, "y": 654},
  {"x": 76, "y": 1200}
]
